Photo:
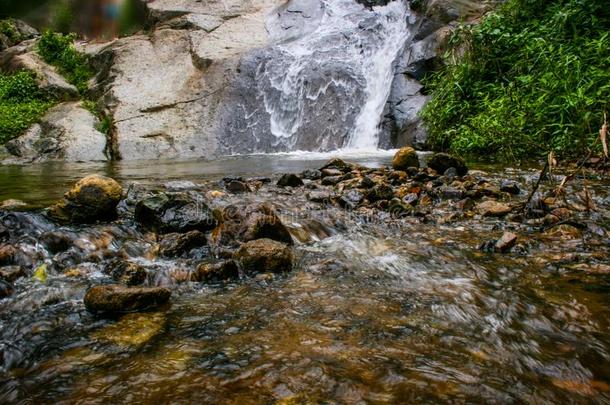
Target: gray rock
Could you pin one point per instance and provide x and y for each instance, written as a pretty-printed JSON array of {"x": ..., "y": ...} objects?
[{"x": 179, "y": 212}]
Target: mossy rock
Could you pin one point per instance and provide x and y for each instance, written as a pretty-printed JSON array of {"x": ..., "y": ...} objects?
[
  {"x": 92, "y": 199},
  {"x": 405, "y": 157}
]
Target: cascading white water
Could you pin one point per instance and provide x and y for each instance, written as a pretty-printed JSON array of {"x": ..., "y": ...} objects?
[
  {"x": 379, "y": 75},
  {"x": 327, "y": 88}
]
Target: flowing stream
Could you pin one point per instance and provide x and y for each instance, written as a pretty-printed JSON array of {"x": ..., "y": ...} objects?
[{"x": 376, "y": 310}]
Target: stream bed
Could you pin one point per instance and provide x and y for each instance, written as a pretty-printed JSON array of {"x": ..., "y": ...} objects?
[{"x": 377, "y": 309}]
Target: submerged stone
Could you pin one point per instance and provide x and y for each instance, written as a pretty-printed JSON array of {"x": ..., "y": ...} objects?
[{"x": 116, "y": 299}]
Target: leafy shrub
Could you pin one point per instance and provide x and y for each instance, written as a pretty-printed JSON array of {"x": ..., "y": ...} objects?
[
  {"x": 21, "y": 104},
  {"x": 8, "y": 30},
  {"x": 533, "y": 76},
  {"x": 58, "y": 50}
]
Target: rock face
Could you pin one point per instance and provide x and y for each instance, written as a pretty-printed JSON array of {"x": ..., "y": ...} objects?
[
  {"x": 406, "y": 157},
  {"x": 265, "y": 255},
  {"x": 163, "y": 90},
  {"x": 93, "y": 198},
  {"x": 178, "y": 212},
  {"x": 116, "y": 299},
  {"x": 66, "y": 132}
]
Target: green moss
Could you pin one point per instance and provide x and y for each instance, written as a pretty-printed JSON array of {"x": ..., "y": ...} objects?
[
  {"x": 58, "y": 50},
  {"x": 21, "y": 104},
  {"x": 534, "y": 77}
]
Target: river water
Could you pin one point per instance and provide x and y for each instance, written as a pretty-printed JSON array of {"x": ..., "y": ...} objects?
[{"x": 376, "y": 310}]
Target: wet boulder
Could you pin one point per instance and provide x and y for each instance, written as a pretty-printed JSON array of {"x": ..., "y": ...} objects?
[
  {"x": 177, "y": 212},
  {"x": 216, "y": 272},
  {"x": 126, "y": 272},
  {"x": 506, "y": 242},
  {"x": 265, "y": 255},
  {"x": 405, "y": 157},
  {"x": 116, "y": 299},
  {"x": 440, "y": 162},
  {"x": 331, "y": 180},
  {"x": 93, "y": 198},
  {"x": 380, "y": 192},
  {"x": 176, "y": 244},
  {"x": 243, "y": 224},
  {"x": 351, "y": 199},
  {"x": 290, "y": 180}
]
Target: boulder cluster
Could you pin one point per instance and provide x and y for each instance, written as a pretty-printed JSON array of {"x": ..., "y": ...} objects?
[{"x": 204, "y": 235}]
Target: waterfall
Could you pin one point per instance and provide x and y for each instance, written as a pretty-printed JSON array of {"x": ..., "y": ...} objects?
[
  {"x": 377, "y": 67},
  {"x": 323, "y": 83}
]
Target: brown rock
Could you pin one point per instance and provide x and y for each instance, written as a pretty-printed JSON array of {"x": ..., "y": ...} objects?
[
  {"x": 506, "y": 242},
  {"x": 11, "y": 273},
  {"x": 116, "y": 299},
  {"x": 7, "y": 254},
  {"x": 177, "y": 244},
  {"x": 214, "y": 272},
  {"x": 243, "y": 224},
  {"x": 265, "y": 255},
  {"x": 493, "y": 209},
  {"x": 126, "y": 272}
]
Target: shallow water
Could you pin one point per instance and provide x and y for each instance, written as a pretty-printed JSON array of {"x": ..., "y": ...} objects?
[
  {"x": 378, "y": 310},
  {"x": 40, "y": 184}
]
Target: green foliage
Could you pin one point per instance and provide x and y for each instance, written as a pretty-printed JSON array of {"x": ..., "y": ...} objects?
[
  {"x": 105, "y": 123},
  {"x": 21, "y": 104},
  {"x": 58, "y": 50},
  {"x": 533, "y": 76},
  {"x": 8, "y": 30}
]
